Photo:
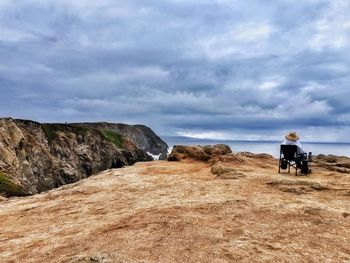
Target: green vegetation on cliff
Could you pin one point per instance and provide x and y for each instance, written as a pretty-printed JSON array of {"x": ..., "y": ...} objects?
[
  {"x": 49, "y": 132},
  {"x": 113, "y": 137},
  {"x": 9, "y": 188},
  {"x": 51, "y": 129}
]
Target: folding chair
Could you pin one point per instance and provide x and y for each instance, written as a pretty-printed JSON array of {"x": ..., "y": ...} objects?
[{"x": 288, "y": 155}]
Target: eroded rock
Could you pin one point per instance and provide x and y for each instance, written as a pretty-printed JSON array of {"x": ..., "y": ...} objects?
[
  {"x": 200, "y": 153},
  {"x": 298, "y": 187},
  {"x": 255, "y": 155},
  {"x": 334, "y": 163},
  {"x": 227, "y": 158}
]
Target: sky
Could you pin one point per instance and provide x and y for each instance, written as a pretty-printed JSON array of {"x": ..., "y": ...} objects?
[{"x": 220, "y": 69}]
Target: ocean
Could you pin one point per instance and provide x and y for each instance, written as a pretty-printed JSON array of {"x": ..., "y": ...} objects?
[{"x": 270, "y": 147}]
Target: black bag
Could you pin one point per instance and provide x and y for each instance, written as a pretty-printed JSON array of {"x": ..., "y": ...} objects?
[{"x": 284, "y": 164}]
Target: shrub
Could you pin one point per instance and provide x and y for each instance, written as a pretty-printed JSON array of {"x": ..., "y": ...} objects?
[{"x": 9, "y": 188}]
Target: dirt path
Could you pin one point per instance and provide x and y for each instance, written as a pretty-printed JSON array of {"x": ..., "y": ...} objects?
[{"x": 180, "y": 212}]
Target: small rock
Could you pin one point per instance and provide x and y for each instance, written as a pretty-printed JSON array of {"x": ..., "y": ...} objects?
[
  {"x": 175, "y": 156},
  {"x": 226, "y": 172},
  {"x": 313, "y": 210},
  {"x": 219, "y": 169}
]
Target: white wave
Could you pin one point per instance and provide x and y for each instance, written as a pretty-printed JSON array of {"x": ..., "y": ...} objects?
[{"x": 154, "y": 156}]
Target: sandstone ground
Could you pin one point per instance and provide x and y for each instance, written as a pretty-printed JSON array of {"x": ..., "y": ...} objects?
[{"x": 180, "y": 212}]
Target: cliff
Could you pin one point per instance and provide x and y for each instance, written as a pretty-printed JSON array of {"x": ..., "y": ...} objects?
[
  {"x": 37, "y": 157},
  {"x": 142, "y": 135},
  {"x": 232, "y": 208}
]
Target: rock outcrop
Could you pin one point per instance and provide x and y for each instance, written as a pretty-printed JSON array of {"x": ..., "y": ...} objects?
[
  {"x": 200, "y": 153},
  {"x": 334, "y": 163},
  {"x": 36, "y": 157},
  {"x": 141, "y": 135},
  {"x": 221, "y": 159}
]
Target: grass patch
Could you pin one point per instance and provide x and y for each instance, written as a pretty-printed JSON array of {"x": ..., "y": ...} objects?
[
  {"x": 113, "y": 137},
  {"x": 80, "y": 129},
  {"x": 49, "y": 132},
  {"x": 9, "y": 188}
]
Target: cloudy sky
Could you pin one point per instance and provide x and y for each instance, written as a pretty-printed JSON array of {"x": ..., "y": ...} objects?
[{"x": 233, "y": 69}]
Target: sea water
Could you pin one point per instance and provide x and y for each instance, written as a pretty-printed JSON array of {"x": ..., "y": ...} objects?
[{"x": 269, "y": 147}]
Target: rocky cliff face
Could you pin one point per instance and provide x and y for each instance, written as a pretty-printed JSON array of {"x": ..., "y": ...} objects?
[
  {"x": 36, "y": 157},
  {"x": 142, "y": 135}
]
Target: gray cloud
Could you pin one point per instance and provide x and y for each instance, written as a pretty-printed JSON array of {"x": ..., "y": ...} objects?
[{"x": 234, "y": 68}]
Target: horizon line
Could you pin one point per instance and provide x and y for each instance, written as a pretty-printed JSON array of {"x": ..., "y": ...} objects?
[{"x": 246, "y": 140}]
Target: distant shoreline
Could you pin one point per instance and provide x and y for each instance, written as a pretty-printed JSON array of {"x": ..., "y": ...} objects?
[
  {"x": 264, "y": 146},
  {"x": 248, "y": 141}
]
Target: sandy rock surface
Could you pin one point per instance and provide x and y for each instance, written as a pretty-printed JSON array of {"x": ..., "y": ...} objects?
[{"x": 181, "y": 212}]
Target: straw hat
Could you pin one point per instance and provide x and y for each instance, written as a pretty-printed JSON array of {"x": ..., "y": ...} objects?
[{"x": 292, "y": 136}]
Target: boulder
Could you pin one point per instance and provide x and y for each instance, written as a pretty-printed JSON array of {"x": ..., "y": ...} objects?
[{"x": 176, "y": 156}]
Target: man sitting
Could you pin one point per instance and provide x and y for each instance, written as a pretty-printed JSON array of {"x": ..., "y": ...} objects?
[{"x": 302, "y": 162}]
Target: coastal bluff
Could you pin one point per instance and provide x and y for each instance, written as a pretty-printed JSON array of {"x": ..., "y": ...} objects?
[
  {"x": 141, "y": 135},
  {"x": 208, "y": 204},
  {"x": 36, "y": 157}
]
